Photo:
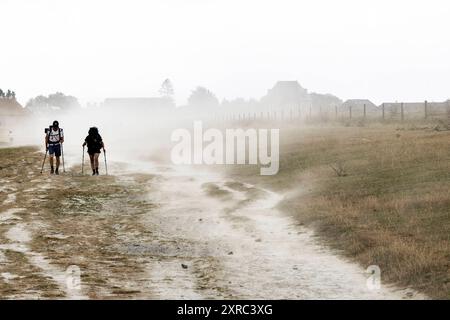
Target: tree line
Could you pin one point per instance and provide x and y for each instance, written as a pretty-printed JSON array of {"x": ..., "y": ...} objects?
[
  {"x": 199, "y": 97},
  {"x": 9, "y": 94}
]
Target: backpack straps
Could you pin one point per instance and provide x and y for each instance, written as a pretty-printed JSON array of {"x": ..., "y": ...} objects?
[{"x": 59, "y": 137}]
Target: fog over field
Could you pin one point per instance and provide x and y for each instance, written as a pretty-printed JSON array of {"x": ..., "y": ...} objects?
[{"x": 380, "y": 50}]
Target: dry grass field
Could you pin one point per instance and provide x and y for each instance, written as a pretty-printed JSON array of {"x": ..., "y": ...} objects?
[{"x": 378, "y": 194}]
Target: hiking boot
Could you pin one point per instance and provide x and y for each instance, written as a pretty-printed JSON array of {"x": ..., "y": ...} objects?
[
  {"x": 56, "y": 171},
  {"x": 52, "y": 171},
  {"x": 96, "y": 171},
  {"x": 93, "y": 172}
]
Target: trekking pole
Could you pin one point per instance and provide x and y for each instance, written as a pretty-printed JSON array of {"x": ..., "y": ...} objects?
[
  {"x": 82, "y": 162},
  {"x": 62, "y": 153},
  {"x": 106, "y": 165},
  {"x": 43, "y": 162}
]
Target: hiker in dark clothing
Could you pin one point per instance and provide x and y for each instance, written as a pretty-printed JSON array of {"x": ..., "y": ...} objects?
[{"x": 94, "y": 143}]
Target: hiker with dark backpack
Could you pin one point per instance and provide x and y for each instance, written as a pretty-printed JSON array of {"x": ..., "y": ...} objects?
[
  {"x": 53, "y": 143},
  {"x": 94, "y": 144}
]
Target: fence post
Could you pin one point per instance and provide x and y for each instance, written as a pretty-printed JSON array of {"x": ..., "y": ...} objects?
[
  {"x": 401, "y": 110},
  {"x": 448, "y": 109},
  {"x": 426, "y": 109},
  {"x": 364, "y": 111},
  {"x": 335, "y": 112},
  {"x": 350, "y": 112},
  {"x": 310, "y": 112},
  {"x": 382, "y": 107}
]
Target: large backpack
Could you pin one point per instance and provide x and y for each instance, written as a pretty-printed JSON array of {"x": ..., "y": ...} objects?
[
  {"x": 95, "y": 138},
  {"x": 97, "y": 141}
]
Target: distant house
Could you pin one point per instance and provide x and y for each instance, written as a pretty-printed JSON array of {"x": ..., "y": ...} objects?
[
  {"x": 11, "y": 110},
  {"x": 286, "y": 94},
  {"x": 11, "y": 106},
  {"x": 357, "y": 108},
  {"x": 139, "y": 104},
  {"x": 11, "y": 113},
  {"x": 359, "y": 103}
]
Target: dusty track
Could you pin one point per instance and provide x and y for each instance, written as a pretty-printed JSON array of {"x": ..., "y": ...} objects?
[{"x": 158, "y": 233}]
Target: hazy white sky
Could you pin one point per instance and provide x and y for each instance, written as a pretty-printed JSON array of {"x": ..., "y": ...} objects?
[{"x": 382, "y": 50}]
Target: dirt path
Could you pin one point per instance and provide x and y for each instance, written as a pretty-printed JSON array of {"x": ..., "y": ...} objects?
[
  {"x": 160, "y": 233},
  {"x": 237, "y": 245}
]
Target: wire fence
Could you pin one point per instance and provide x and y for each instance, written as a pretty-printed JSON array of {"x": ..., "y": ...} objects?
[{"x": 398, "y": 111}]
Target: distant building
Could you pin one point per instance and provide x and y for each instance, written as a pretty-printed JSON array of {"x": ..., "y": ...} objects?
[
  {"x": 356, "y": 107},
  {"x": 143, "y": 104},
  {"x": 11, "y": 108},
  {"x": 11, "y": 113},
  {"x": 359, "y": 103},
  {"x": 286, "y": 94}
]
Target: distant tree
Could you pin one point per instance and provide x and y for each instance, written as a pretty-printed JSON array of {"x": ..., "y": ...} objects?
[
  {"x": 166, "y": 89},
  {"x": 324, "y": 100},
  {"x": 39, "y": 103},
  {"x": 202, "y": 97},
  {"x": 62, "y": 101},
  {"x": 9, "y": 94},
  {"x": 56, "y": 100},
  {"x": 167, "y": 93}
]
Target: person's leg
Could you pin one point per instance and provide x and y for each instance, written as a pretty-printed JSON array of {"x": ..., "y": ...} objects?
[
  {"x": 57, "y": 156},
  {"x": 51, "y": 153},
  {"x": 96, "y": 162},
  {"x": 91, "y": 157},
  {"x": 57, "y": 165},
  {"x": 52, "y": 170}
]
